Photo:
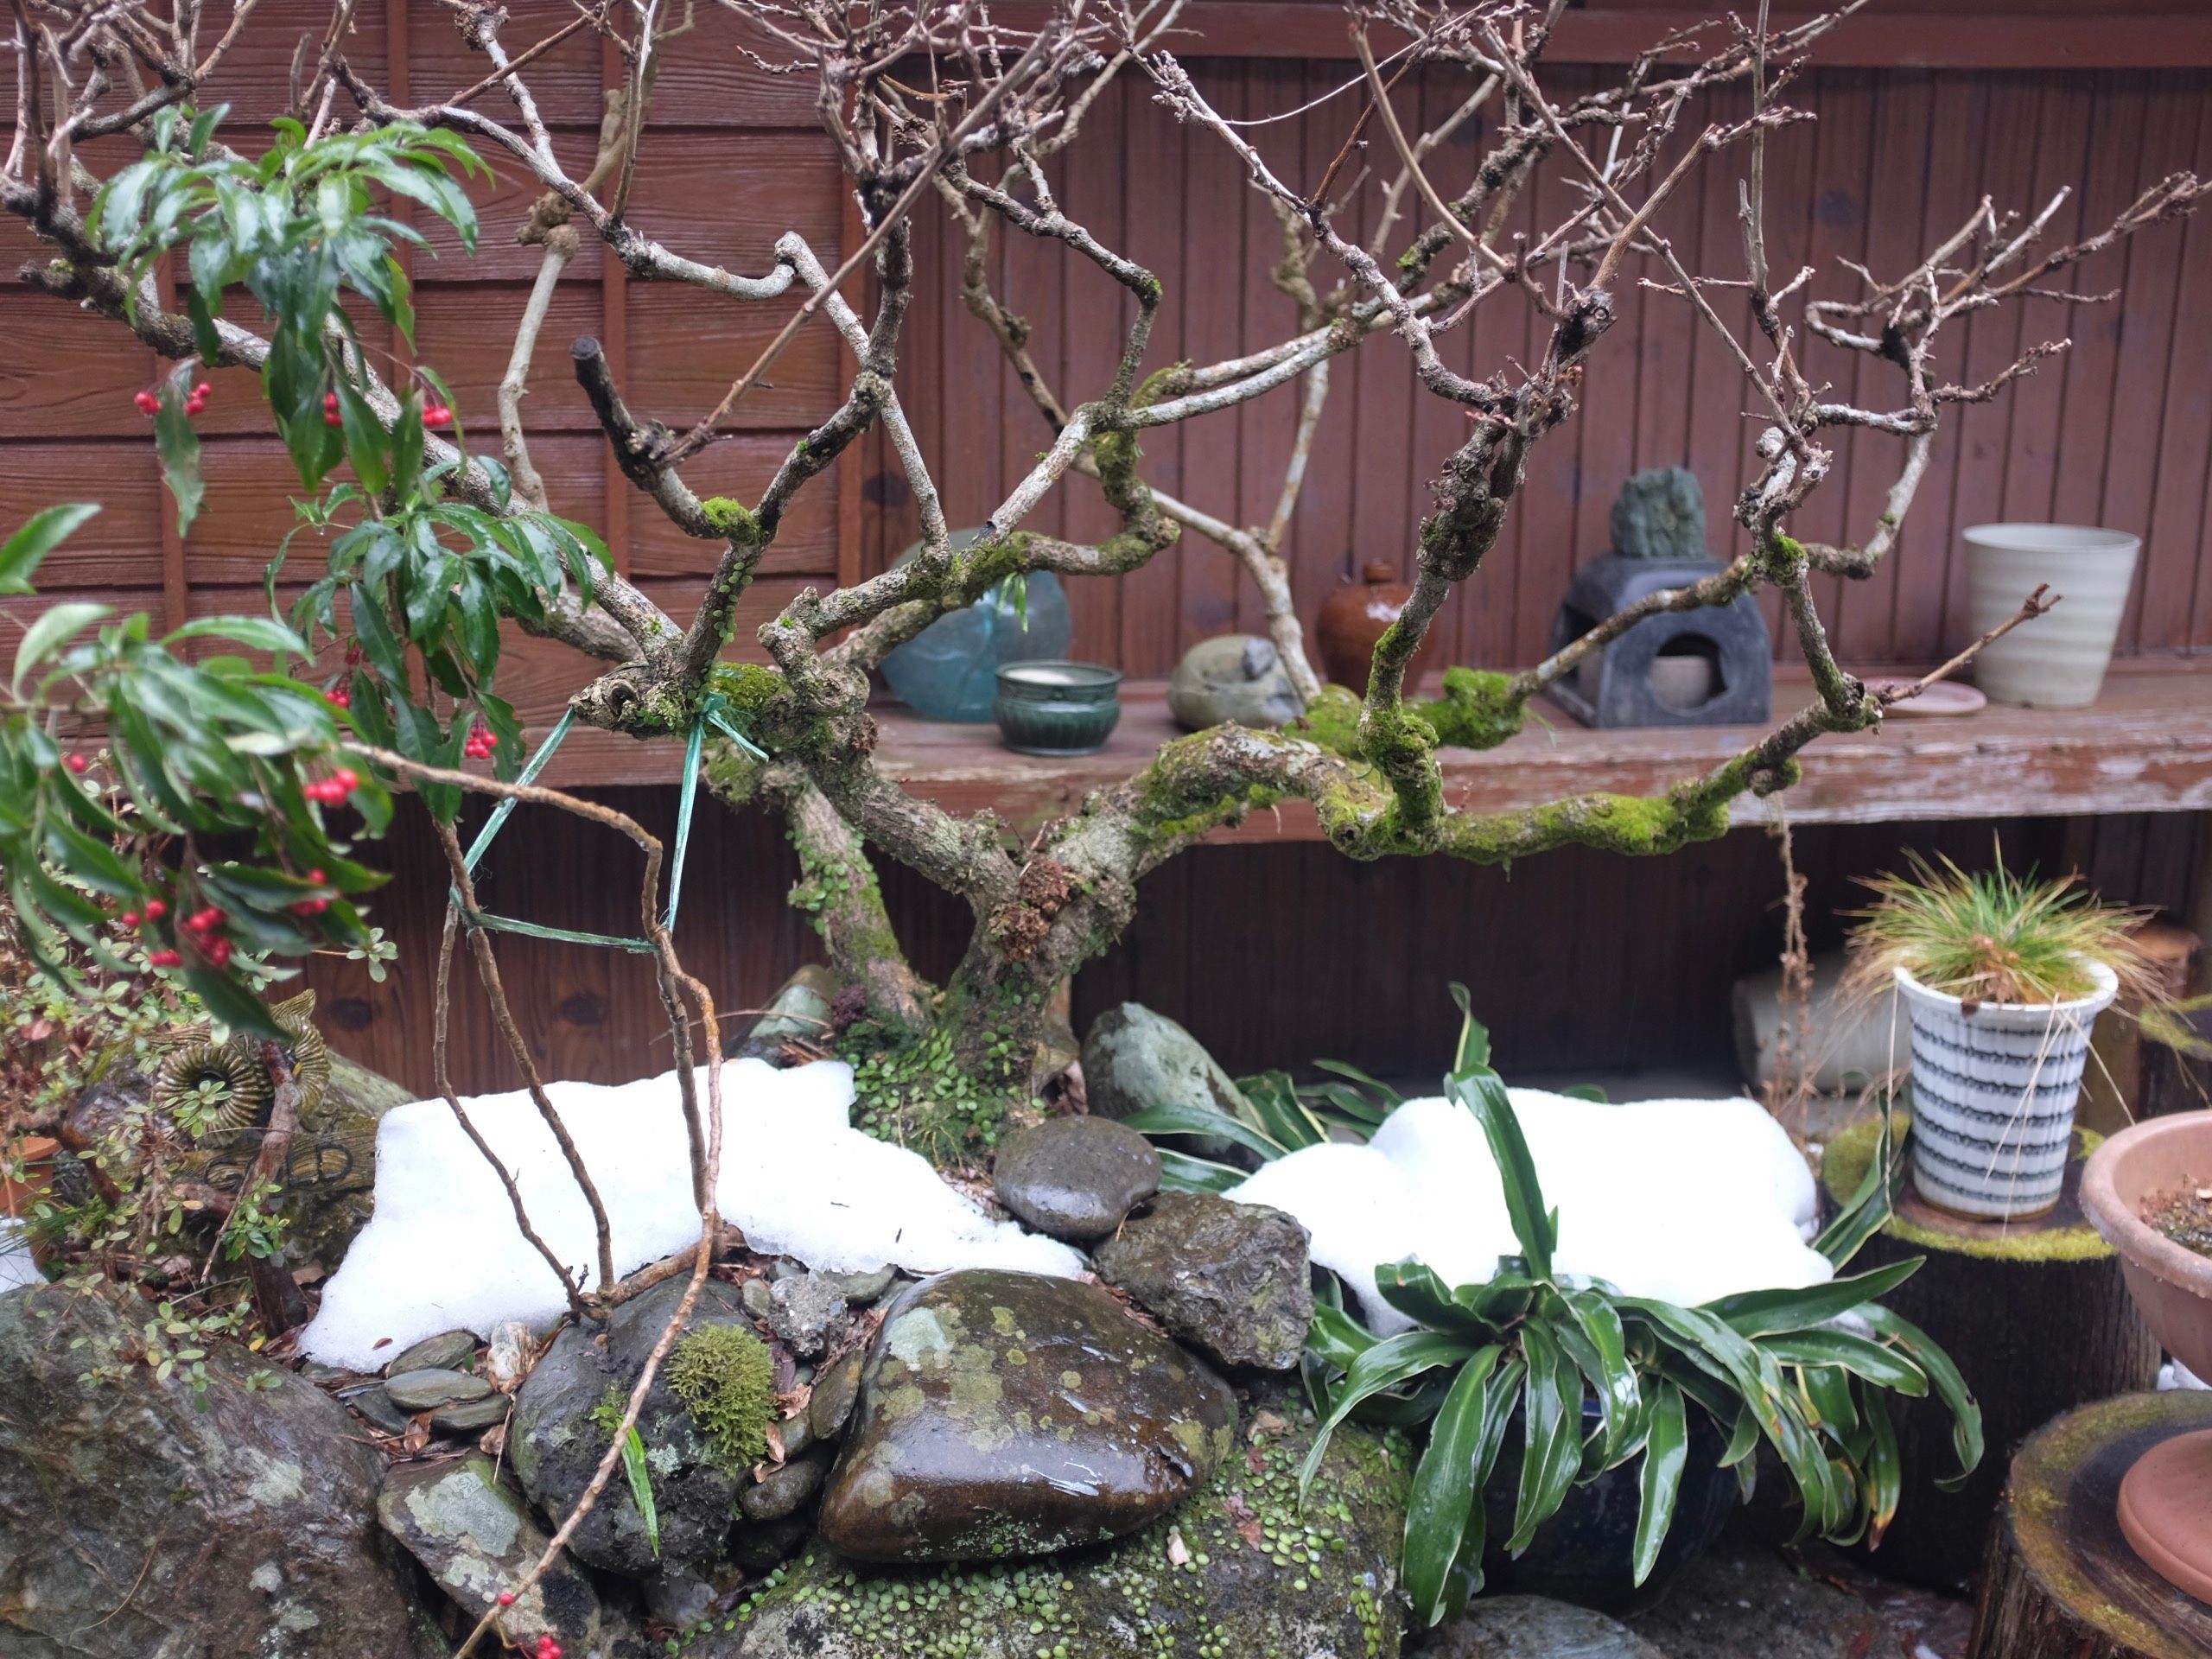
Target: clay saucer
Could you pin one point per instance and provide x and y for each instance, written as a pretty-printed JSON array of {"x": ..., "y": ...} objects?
[
  {"x": 2166, "y": 1510},
  {"x": 1944, "y": 698}
]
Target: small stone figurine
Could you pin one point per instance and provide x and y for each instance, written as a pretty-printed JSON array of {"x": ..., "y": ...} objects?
[{"x": 1236, "y": 677}]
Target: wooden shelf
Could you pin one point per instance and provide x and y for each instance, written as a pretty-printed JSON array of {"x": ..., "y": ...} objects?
[{"x": 2146, "y": 746}]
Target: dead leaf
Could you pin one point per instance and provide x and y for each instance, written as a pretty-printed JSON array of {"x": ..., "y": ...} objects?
[
  {"x": 1179, "y": 1552},
  {"x": 1240, "y": 1517},
  {"x": 1266, "y": 1422},
  {"x": 775, "y": 1438},
  {"x": 417, "y": 1435},
  {"x": 494, "y": 1443}
]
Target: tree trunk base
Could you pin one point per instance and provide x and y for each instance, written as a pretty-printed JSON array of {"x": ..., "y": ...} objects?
[
  {"x": 2039, "y": 1321},
  {"x": 2061, "y": 1581}
]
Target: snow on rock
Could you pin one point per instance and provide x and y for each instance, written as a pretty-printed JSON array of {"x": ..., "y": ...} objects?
[
  {"x": 1682, "y": 1200},
  {"x": 442, "y": 1250}
]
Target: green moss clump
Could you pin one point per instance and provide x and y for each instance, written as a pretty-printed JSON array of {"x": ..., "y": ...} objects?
[
  {"x": 730, "y": 519},
  {"x": 748, "y": 688},
  {"x": 724, "y": 1376},
  {"x": 919, "y": 1095},
  {"x": 1477, "y": 710}
]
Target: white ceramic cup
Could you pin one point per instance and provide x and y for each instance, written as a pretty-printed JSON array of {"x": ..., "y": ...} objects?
[{"x": 2057, "y": 661}]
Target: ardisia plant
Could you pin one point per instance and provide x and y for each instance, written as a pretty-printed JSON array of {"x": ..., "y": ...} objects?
[
  {"x": 430, "y": 546},
  {"x": 1807, "y": 1372}
]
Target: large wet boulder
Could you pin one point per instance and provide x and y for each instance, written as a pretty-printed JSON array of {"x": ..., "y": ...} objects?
[
  {"x": 1230, "y": 1279},
  {"x": 1075, "y": 1177},
  {"x": 137, "y": 1519},
  {"x": 563, "y": 1414},
  {"x": 476, "y": 1539},
  {"x": 1240, "y": 1571},
  {"x": 1134, "y": 1058},
  {"x": 1007, "y": 1415}
]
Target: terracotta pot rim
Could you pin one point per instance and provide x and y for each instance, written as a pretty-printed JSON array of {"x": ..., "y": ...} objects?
[{"x": 2117, "y": 1222}]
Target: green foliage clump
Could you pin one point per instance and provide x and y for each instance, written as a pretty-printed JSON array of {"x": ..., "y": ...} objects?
[
  {"x": 920, "y": 1095},
  {"x": 1990, "y": 936},
  {"x": 725, "y": 1379},
  {"x": 730, "y": 519},
  {"x": 1808, "y": 1371}
]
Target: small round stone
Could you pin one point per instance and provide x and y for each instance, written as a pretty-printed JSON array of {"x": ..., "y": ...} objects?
[{"x": 1075, "y": 1178}]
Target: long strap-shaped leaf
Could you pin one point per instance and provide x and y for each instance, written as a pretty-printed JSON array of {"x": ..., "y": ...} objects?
[
  {"x": 1943, "y": 1375},
  {"x": 1446, "y": 1491},
  {"x": 1482, "y": 1091},
  {"x": 1551, "y": 1424},
  {"x": 1385, "y": 1365},
  {"x": 1666, "y": 1450},
  {"x": 1769, "y": 1313}
]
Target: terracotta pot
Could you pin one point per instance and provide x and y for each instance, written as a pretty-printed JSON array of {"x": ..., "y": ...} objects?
[
  {"x": 2166, "y": 1500},
  {"x": 35, "y": 1153},
  {"x": 1356, "y": 616}
]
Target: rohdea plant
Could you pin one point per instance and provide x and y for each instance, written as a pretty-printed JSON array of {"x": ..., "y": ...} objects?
[
  {"x": 1808, "y": 1371},
  {"x": 1991, "y": 936}
]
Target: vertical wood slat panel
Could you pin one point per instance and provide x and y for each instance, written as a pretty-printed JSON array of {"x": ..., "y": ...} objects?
[{"x": 2112, "y": 432}]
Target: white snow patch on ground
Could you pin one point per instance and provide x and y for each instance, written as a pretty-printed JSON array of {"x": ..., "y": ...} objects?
[
  {"x": 443, "y": 1252},
  {"x": 1681, "y": 1200}
]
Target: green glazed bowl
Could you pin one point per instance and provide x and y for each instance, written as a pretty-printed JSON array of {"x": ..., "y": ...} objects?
[{"x": 1054, "y": 709}]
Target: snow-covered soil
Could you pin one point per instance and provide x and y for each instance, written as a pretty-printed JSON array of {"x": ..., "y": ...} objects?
[{"x": 1683, "y": 1200}]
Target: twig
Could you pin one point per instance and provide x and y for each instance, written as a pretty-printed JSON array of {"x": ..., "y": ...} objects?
[{"x": 2031, "y": 607}]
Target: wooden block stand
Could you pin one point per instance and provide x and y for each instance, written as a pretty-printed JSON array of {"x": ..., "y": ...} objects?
[
  {"x": 2038, "y": 1322},
  {"x": 2061, "y": 1581}
]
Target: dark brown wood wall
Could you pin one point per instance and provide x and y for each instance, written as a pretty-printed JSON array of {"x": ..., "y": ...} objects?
[
  {"x": 2118, "y": 432},
  {"x": 1273, "y": 954}
]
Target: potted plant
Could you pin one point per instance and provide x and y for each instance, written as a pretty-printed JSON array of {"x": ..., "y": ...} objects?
[
  {"x": 2148, "y": 1192},
  {"x": 2001, "y": 977},
  {"x": 1552, "y": 1402}
]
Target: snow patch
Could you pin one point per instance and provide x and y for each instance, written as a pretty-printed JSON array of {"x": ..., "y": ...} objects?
[
  {"x": 1681, "y": 1200},
  {"x": 442, "y": 1252},
  {"x": 17, "y": 1269}
]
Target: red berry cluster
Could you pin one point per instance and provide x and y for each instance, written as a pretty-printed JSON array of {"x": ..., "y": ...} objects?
[
  {"x": 330, "y": 414},
  {"x": 338, "y": 697},
  {"x": 547, "y": 1647},
  {"x": 436, "y": 415},
  {"x": 149, "y": 403},
  {"x": 334, "y": 789},
  {"x": 203, "y": 925},
  {"x": 312, "y": 906},
  {"x": 164, "y": 959},
  {"x": 481, "y": 742}
]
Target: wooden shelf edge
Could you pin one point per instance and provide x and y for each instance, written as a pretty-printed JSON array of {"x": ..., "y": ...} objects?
[{"x": 2146, "y": 746}]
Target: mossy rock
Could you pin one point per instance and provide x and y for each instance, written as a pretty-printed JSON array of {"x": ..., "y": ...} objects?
[{"x": 1238, "y": 1572}]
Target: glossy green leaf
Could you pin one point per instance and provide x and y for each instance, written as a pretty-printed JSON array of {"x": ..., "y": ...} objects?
[
  {"x": 1175, "y": 1119},
  {"x": 641, "y": 1485},
  {"x": 1943, "y": 1377},
  {"x": 178, "y": 446},
  {"x": 1551, "y": 1424},
  {"x": 1666, "y": 1452},
  {"x": 1474, "y": 1048},
  {"x": 1614, "y": 1379},
  {"x": 52, "y": 628},
  {"x": 1388, "y": 1362},
  {"x": 1335, "y": 1336},
  {"x": 1769, "y": 1313},
  {"x": 1482, "y": 1091},
  {"x": 1418, "y": 1293},
  {"x": 1446, "y": 1498},
  {"x": 44, "y": 531},
  {"x": 1870, "y": 1360},
  {"x": 1181, "y": 1173}
]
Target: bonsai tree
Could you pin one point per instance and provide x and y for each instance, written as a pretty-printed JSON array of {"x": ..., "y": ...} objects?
[{"x": 430, "y": 544}]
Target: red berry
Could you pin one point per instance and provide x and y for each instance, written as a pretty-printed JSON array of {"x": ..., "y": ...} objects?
[
  {"x": 203, "y": 391},
  {"x": 164, "y": 959},
  {"x": 506, "y": 1598},
  {"x": 338, "y": 697},
  {"x": 128, "y": 918},
  {"x": 76, "y": 763},
  {"x": 148, "y": 404},
  {"x": 315, "y": 876},
  {"x": 437, "y": 415},
  {"x": 346, "y": 779},
  {"x": 155, "y": 910},
  {"x": 310, "y": 906},
  {"x": 219, "y": 953}
]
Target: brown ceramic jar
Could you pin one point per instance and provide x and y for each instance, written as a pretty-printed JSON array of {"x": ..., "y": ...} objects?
[{"x": 1356, "y": 616}]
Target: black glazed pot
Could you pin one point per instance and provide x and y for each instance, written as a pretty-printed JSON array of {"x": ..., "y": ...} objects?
[{"x": 1586, "y": 1553}]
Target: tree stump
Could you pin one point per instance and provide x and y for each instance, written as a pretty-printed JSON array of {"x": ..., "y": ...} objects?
[
  {"x": 2061, "y": 1581},
  {"x": 2036, "y": 1316},
  {"x": 2176, "y": 1058}
]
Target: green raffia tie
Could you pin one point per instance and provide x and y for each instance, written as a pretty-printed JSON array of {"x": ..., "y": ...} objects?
[{"x": 711, "y": 712}]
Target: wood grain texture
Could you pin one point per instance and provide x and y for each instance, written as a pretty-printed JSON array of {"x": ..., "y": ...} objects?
[{"x": 2061, "y": 1582}]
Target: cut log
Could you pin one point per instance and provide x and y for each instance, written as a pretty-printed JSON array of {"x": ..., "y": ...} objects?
[
  {"x": 2036, "y": 1317},
  {"x": 2116, "y": 1090},
  {"x": 2176, "y": 1063},
  {"x": 2061, "y": 1581}
]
